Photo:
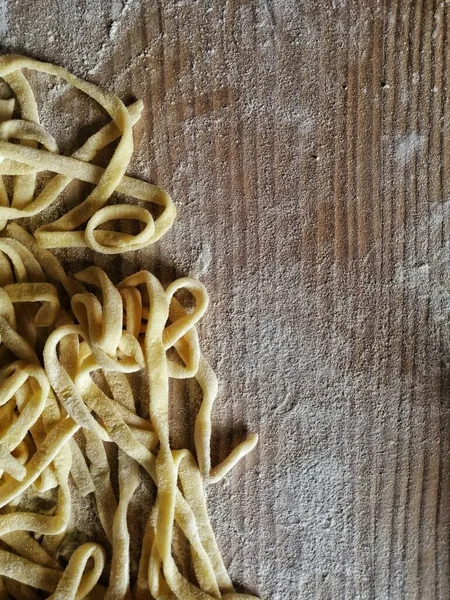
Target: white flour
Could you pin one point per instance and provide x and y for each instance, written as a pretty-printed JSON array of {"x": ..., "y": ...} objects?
[{"x": 254, "y": 114}]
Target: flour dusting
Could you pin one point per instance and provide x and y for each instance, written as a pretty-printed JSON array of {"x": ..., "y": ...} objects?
[
  {"x": 3, "y": 18},
  {"x": 308, "y": 204},
  {"x": 408, "y": 145}
]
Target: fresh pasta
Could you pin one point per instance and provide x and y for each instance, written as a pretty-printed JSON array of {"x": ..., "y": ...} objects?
[
  {"x": 69, "y": 346},
  {"x": 24, "y": 161}
]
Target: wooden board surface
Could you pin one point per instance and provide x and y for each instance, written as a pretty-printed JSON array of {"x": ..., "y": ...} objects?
[{"x": 305, "y": 144}]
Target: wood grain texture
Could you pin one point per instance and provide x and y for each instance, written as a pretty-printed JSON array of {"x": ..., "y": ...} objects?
[{"x": 305, "y": 144}]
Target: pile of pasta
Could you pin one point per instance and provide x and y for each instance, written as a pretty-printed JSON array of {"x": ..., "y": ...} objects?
[{"x": 68, "y": 347}]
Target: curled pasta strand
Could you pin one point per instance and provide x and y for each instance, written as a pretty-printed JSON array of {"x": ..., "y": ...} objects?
[
  {"x": 37, "y": 292},
  {"x": 191, "y": 483},
  {"x": 45, "y": 454},
  {"x": 181, "y": 326},
  {"x": 80, "y": 471},
  {"x": 142, "y": 588},
  {"x": 27, "y": 547},
  {"x": 26, "y": 130},
  {"x": 202, "y": 432},
  {"x": 29, "y": 265},
  {"x": 119, "y": 431},
  {"x": 101, "y": 476},
  {"x": 38, "y": 523},
  {"x": 74, "y": 583},
  {"x": 120, "y": 563},
  {"x": 241, "y": 450},
  {"x": 109, "y": 334},
  {"x": 24, "y": 185},
  {"x": 203, "y": 567},
  {"x": 132, "y": 304},
  {"x": 16, "y": 343},
  {"x": 28, "y": 572},
  {"x": 49, "y": 263},
  {"x": 64, "y": 387}
]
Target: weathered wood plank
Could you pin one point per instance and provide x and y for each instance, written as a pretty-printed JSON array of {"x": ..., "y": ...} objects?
[{"x": 305, "y": 144}]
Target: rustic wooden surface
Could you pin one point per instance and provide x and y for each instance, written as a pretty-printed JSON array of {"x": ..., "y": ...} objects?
[{"x": 306, "y": 145}]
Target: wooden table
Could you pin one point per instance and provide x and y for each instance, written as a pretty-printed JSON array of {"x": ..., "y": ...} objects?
[{"x": 306, "y": 146}]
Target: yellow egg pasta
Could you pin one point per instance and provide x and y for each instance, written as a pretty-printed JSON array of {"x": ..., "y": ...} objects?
[
  {"x": 69, "y": 348},
  {"x": 39, "y": 152}
]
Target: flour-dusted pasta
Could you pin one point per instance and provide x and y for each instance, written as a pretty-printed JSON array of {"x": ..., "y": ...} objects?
[
  {"x": 60, "y": 337},
  {"x": 24, "y": 161}
]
